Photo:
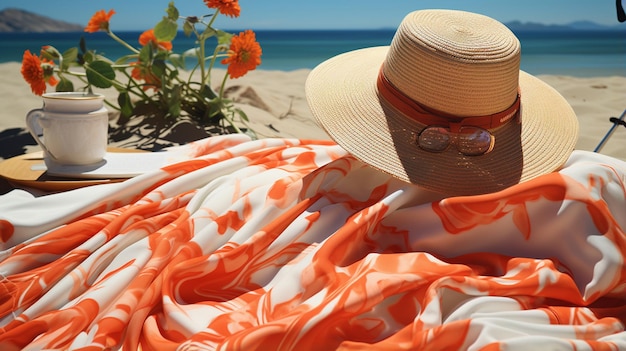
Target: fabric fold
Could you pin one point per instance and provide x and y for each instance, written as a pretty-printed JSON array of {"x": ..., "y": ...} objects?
[{"x": 288, "y": 244}]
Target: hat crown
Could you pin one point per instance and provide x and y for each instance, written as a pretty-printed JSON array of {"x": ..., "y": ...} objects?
[{"x": 460, "y": 63}]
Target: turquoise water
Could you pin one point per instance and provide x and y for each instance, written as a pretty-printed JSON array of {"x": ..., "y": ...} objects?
[{"x": 575, "y": 53}]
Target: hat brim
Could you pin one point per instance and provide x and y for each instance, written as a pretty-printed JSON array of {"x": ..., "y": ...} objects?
[{"x": 343, "y": 96}]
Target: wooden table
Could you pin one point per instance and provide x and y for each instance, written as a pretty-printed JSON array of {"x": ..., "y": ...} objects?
[{"x": 26, "y": 171}]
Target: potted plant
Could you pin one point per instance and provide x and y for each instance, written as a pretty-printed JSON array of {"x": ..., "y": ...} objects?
[{"x": 155, "y": 87}]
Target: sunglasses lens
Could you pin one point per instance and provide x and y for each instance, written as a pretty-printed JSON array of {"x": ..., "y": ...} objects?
[
  {"x": 470, "y": 141},
  {"x": 434, "y": 139},
  {"x": 473, "y": 141}
]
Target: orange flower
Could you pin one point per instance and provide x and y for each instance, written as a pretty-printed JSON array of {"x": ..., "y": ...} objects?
[
  {"x": 148, "y": 37},
  {"x": 228, "y": 7},
  {"x": 37, "y": 72},
  {"x": 244, "y": 54},
  {"x": 99, "y": 21},
  {"x": 141, "y": 72}
]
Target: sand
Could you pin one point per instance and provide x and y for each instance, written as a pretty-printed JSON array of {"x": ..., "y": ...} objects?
[{"x": 276, "y": 105}]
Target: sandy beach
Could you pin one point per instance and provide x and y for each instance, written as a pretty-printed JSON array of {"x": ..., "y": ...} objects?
[{"x": 276, "y": 105}]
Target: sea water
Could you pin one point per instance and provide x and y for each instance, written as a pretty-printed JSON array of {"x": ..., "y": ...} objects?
[{"x": 576, "y": 53}]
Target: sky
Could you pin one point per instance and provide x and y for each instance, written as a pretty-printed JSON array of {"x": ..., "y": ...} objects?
[{"x": 320, "y": 14}]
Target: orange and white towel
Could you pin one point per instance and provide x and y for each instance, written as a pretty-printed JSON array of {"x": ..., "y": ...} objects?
[{"x": 285, "y": 244}]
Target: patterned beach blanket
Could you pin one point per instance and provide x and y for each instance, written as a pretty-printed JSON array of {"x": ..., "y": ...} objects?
[{"x": 285, "y": 244}]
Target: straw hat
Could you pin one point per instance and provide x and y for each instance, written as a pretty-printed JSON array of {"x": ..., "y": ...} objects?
[{"x": 444, "y": 68}]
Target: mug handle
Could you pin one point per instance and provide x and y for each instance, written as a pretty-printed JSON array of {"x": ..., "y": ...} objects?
[{"x": 35, "y": 129}]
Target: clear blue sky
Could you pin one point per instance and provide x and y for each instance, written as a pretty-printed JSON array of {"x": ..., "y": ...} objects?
[{"x": 321, "y": 14}]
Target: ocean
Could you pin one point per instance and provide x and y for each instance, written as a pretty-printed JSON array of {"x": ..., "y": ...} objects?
[{"x": 575, "y": 53}]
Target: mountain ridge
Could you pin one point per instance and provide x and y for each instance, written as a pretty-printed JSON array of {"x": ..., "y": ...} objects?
[
  {"x": 576, "y": 25},
  {"x": 14, "y": 20}
]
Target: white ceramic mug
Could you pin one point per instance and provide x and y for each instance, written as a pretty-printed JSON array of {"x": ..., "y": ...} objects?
[{"x": 71, "y": 128}]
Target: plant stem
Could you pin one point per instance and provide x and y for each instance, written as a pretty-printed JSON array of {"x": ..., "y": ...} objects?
[
  {"x": 212, "y": 59},
  {"x": 221, "y": 95},
  {"x": 122, "y": 42},
  {"x": 205, "y": 75},
  {"x": 201, "y": 54},
  {"x": 217, "y": 12}
]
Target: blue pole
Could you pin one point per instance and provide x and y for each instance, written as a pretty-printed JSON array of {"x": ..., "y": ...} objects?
[{"x": 616, "y": 122}]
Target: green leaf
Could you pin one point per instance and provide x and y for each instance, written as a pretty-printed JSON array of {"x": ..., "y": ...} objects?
[
  {"x": 100, "y": 74},
  {"x": 126, "y": 105},
  {"x": 215, "y": 109},
  {"x": 208, "y": 32},
  {"x": 65, "y": 85},
  {"x": 242, "y": 114},
  {"x": 223, "y": 38},
  {"x": 69, "y": 56},
  {"x": 145, "y": 55},
  {"x": 166, "y": 30},
  {"x": 88, "y": 57},
  {"x": 174, "y": 101},
  {"x": 158, "y": 68},
  {"x": 208, "y": 92},
  {"x": 161, "y": 55},
  {"x": 187, "y": 28},
  {"x": 125, "y": 59},
  {"x": 172, "y": 12}
]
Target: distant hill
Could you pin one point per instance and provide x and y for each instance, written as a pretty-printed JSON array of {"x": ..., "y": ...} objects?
[
  {"x": 16, "y": 20},
  {"x": 578, "y": 25}
]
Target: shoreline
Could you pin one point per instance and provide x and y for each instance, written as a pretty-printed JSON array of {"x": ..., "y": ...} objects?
[
  {"x": 276, "y": 105},
  {"x": 572, "y": 52},
  {"x": 537, "y": 68}
]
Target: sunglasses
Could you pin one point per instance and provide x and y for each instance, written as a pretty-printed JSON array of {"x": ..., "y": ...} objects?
[
  {"x": 468, "y": 140},
  {"x": 468, "y": 134}
]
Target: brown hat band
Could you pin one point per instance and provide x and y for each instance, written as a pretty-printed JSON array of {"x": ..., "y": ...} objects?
[{"x": 429, "y": 116}]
